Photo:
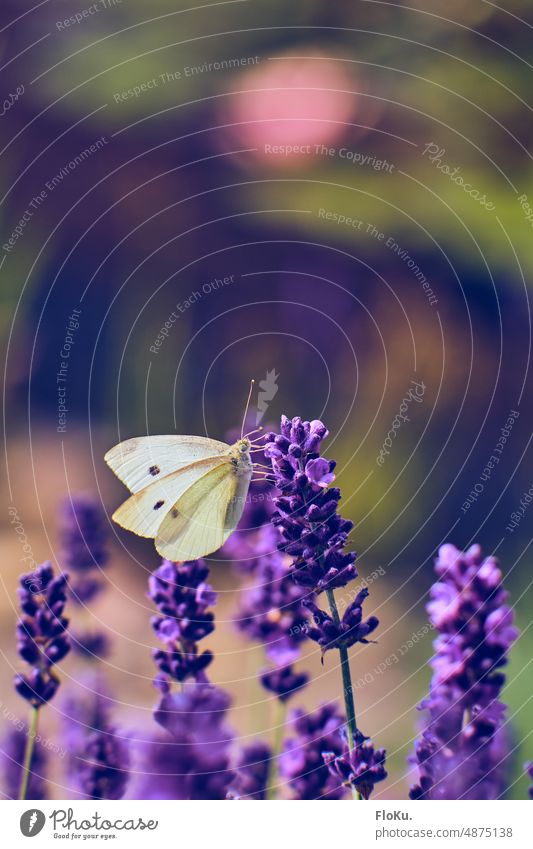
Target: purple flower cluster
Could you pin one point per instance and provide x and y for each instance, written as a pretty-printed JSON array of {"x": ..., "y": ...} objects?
[
  {"x": 196, "y": 719},
  {"x": 83, "y": 539},
  {"x": 312, "y": 531},
  {"x": 315, "y": 536},
  {"x": 42, "y": 640},
  {"x": 529, "y": 770},
  {"x": 302, "y": 763},
  {"x": 251, "y": 772},
  {"x": 283, "y": 681},
  {"x": 13, "y": 751},
  {"x": 98, "y": 754},
  {"x": 183, "y": 597},
  {"x": 272, "y": 610},
  {"x": 361, "y": 767},
  {"x": 461, "y": 753},
  {"x": 349, "y": 630}
]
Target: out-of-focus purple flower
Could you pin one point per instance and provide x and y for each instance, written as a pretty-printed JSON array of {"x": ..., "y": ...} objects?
[
  {"x": 183, "y": 597},
  {"x": 461, "y": 754},
  {"x": 284, "y": 682},
  {"x": 529, "y": 769},
  {"x": 13, "y": 751},
  {"x": 196, "y": 719},
  {"x": 42, "y": 640},
  {"x": 94, "y": 645},
  {"x": 99, "y": 759},
  {"x": 246, "y": 548},
  {"x": 361, "y": 767},
  {"x": 302, "y": 765},
  {"x": 312, "y": 531},
  {"x": 251, "y": 772},
  {"x": 272, "y": 611},
  {"x": 350, "y": 630},
  {"x": 83, "y": 538}
]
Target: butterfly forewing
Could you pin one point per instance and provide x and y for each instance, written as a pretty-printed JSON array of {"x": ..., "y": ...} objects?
[{"x": 141, "y": 461}]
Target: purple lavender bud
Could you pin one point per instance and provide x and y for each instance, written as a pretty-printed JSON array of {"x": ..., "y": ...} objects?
[
  {"x": 284, "y": 682},
  {"x": 350, "y": 630},
  {"x": 42, "y": 640},
  {"x": 196, "y": 719},
  {"x": 529, "y": 769},
  {"x": 83, "y": 539},
  {"x": 319, "y": 472},
  {"x": 461, "y": 754},
  {"x": 92, "y": 645},
  {"x": 302, "y": 764},
  {"x": 361, "y": 767},
  {"x": 99, "y": 760},
  {"x": 251, "y": 772},
  {"x": 272, "y": 612},
  {"x": 183, "y": 597},
  {"x": 312, "y": 531},
  {"x": 12, "y": 759}
]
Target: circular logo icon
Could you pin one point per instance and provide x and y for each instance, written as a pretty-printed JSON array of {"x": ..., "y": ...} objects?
[{"x": 32, "y": 822}]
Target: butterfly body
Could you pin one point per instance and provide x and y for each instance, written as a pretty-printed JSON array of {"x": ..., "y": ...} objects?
[{"x": 188, "y": 492}]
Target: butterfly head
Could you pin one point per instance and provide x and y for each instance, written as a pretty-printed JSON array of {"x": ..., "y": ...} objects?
[{"x": 240, "y": 453}]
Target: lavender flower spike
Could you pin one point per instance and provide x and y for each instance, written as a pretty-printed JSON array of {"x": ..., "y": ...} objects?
[
  {"x": 252, "y": 772},
  {"x": 283, "y": 681},
  {"x": 183, "y": 597},
  {"x": 350, "y": 630},
  {"x": 460, "y": 752},
  {"x": 99, "y": 757},
  {"x": 196, "y": 720},
  {"x": 529, "y": 770},
  {"x": 41, "y": 633},
  {"x": 302, "y": 763},
  {"x": 13, "y": 750},
  {"x": 83, "y": 538},
  {"x": 313, "y": 533},
  {"x": 361, "y": 768}
]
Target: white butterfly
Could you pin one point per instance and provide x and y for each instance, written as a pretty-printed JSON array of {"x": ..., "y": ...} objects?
[{"x": 189, "y": 492}]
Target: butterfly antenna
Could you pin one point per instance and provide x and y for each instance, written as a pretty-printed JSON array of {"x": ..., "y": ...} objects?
[{"x": 252, "y": 382}]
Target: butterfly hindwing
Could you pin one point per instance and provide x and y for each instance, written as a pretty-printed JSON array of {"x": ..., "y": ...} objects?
[
  {"x": 141, "y": 461},
  {"x": 146, "y": 510},
  {"x": 203, "y": 517}
]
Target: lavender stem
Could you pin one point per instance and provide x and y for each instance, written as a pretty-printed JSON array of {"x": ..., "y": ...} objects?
[
  {"x": 281, "y": 716},
  {"x": 28, "y": 754},
  {"x": 347, "y": 688}
]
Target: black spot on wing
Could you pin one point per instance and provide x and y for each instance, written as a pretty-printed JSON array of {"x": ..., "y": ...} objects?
[
  {"x": 158, "y": 504},
  {"x": 154, "y": 470},
  {"x": 175, "y": 513}
]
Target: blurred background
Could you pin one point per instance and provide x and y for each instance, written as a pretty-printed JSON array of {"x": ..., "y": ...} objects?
[{"x": 339, "y": 193}]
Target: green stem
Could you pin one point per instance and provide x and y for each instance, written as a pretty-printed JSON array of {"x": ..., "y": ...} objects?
[
  {"x": 30, "y": 743},
  {"x": 347, "y": 688},
  {"x": 281, "y": 715}
]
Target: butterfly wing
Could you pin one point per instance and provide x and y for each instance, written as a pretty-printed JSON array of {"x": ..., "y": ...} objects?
[
  {"x": 145, "y": 511},
  {"x": 205, "y": 515},
  {"x": 140, "y": 461}
]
